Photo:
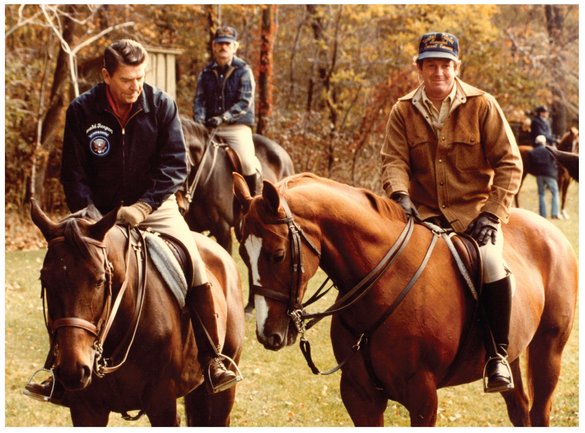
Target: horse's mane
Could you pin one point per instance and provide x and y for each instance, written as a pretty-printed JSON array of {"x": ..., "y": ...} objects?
[
  {"x": 73, "y": 232},
  {"x": 382, "y": 205},
  {"x": 194, "y": 132}
]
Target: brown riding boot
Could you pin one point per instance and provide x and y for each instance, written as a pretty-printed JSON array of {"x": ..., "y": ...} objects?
[
  {"x": 497, "y": 303},
  {"x": 204, "y": 320},
  {"x": 49, "y": 390}
]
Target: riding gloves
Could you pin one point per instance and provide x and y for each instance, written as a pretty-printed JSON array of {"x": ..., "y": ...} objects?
[
  {"x": 214, "y": 122},
  {"x": 484, "y": 228},
  {"x": 133, "y": 215},
  {"x": 403, "y": 199}
]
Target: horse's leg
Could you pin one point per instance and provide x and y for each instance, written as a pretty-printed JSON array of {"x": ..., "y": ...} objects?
[
  {"x": 517, "y": 400},
  {"x": 162, "y": 411},
  {"x": 89, "y": 416},
  {"x": 365, "y": 407},
  {"x": 544, "y": 368},
  {"x": 421, "y": 400},
  {"x": 209, "y": 410}
]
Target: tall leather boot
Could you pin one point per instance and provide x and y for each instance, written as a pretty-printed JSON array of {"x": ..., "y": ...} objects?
[
  {"x": 497, "y": 304},
  {"x": 254, "y": 182},
  {"x": 204, "y": 320}
]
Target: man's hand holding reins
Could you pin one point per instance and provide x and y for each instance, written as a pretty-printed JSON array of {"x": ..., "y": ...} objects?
[
  {"x": 403, "y": 199},
  {"x": 484, "y": 228},
  {"x": 134, "y": 214}
]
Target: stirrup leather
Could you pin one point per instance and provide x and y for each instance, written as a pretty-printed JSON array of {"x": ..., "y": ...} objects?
[
  {"x": 506, "y": 364},
  {"x": 219, "y": 388}
]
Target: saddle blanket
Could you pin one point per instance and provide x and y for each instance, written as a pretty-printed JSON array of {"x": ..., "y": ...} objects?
[{"x": 168, "y": 266}]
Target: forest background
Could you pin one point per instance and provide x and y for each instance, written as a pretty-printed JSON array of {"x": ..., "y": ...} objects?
[{"x": 327, "y": 75}]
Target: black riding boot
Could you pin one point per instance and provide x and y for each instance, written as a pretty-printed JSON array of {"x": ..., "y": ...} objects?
[
  {"x": 204, "y": 320},
  {"x": 497, "y": 304},
  {"x": 254, "y": 182}
]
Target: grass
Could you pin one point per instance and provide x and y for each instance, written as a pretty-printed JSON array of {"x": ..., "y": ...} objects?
[{"x": 279, "y": 390}]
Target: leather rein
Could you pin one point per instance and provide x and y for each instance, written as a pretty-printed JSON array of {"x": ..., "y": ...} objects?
[
  {"x": 100, "y": 330},
  {"x": 296, "y": 309}
]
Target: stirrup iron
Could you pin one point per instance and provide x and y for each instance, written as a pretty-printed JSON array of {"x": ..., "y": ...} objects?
[{"x": 36, "y": 396}]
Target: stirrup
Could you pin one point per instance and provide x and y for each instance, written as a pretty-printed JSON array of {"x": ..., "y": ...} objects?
[
  {"x": 502, "y": 388},
  {"x": 40, "y": 397},
  {"x": 215, "y": 389}
]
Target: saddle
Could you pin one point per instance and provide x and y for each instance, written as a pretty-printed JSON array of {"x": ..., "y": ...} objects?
[
  {"x": 465, "y": 252},
  {"x": 171, "y": 260}
]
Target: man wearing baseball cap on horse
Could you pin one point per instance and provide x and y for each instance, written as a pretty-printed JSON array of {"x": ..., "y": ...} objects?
[{"x": 449, "y": 157}]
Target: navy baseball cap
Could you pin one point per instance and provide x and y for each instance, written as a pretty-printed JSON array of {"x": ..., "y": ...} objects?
[
  {"x": 225, "y": 34},
  {"x": 438, "y": 45}
]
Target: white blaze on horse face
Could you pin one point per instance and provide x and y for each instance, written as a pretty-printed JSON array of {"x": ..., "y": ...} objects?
[{"x": 253, "y": 245}]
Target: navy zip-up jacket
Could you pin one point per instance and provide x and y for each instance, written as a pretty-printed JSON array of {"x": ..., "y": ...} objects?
[
  {"x": 230, "y": 95},
  {"x": 105, "y": 165}
]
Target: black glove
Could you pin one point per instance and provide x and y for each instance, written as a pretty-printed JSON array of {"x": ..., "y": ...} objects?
[
  {"x": 403, "y": 199},
  {"x": 214, "y": 122},
  {"x": 484, "y": 228}
]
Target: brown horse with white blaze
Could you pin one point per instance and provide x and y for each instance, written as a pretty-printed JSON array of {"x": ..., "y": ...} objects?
[
  {"x": 413, "y": 328},
  {"x": 105, "y": 300}
]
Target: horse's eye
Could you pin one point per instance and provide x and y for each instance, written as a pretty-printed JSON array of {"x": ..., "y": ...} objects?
[
  {"x": 100, "y": 283},
  {"x": 278, "y": 257}
]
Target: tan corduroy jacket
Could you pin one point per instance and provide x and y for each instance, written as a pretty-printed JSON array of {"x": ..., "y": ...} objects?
[{"x": 472, "y": 166}]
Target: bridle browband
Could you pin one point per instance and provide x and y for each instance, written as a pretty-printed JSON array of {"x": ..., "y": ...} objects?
[
  {"x": 296, "y": 309},
  {"x": 101, "y": 330}
]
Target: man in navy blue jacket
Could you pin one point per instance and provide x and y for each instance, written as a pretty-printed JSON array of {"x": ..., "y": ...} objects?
[
  {"x": 224, "y": 99},
  {"x": 123, "y": 143}
]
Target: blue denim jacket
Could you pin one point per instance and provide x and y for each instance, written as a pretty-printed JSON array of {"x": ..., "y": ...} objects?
[{"x": 230, "y": 95}]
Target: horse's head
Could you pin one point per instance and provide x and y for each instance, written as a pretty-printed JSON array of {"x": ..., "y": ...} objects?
[
  {"x": 196, "y": 135},
  {"x": 76, "y": 280},
  {"x": 280, "y": 258}
]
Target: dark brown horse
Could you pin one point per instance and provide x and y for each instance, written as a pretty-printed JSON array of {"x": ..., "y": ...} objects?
[
  {"x": 395, "y": 336},
  {"x": 212, "y": 206},
  {"x": 90, "y": 271},
  {"x": 569, "y": 142}
]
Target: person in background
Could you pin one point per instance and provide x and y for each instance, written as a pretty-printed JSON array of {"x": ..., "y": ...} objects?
[
  {"x": 224, "y": 99},
  {"x": 544, "y": 167},
  {"x": 450, "y": 157},
  {"x": 540, "y": 125},
  {"x": 123, "y": 143}
]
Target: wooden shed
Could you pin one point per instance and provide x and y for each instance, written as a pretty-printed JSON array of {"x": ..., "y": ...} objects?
[{"x": 161, "y": 69}]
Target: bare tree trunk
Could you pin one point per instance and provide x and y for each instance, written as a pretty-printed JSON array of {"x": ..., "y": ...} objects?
[
  {"x": 265, "y": 73},
  {"x": 554, "y": 24},
  {"x": 212, "y": 12},
  {"x": 50, "y": 123}
]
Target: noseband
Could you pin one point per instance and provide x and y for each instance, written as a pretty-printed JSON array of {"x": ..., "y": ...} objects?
[{"x": 296, "y": 237}]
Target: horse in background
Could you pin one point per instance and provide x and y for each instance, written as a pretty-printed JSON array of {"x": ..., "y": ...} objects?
[
  {"x": 405, "y": 329},
  {"x": 569, "y": 144},
  {"x": 211, "y": 204},
  {"x": 101, "y": 287}
]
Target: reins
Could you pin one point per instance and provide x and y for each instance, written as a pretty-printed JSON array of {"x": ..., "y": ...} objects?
[
  {"x": 210, "y": 143},
  {"x": 296, "y": 310}
]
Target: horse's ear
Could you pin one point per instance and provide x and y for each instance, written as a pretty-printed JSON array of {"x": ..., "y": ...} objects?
[
  {"x": 98, "y": 230},
  {"x": 47, "y": 227},
  {"x": 270, "y": 196},
  {"x": 241, "y": 191}
]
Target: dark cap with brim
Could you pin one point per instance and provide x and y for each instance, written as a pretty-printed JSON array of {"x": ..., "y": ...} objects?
[{"x": 438, "y": 45}]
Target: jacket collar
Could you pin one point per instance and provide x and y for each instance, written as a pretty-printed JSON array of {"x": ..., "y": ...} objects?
[
  {"x": 464, "y": 91},
  {"x": 103, "y": 105}
]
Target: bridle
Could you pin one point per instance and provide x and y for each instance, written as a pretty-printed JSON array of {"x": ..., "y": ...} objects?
[
  {"x": 211, "y": 143},
  {"x": 100, "y": 330},
  {"x": 295, "y": 307}
]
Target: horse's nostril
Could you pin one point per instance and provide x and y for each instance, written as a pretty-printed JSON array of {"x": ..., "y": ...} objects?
[{"x": 275, "y": 340}]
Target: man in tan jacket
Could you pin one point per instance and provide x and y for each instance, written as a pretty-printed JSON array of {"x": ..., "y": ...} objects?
[{"x": 449, "y": 156}]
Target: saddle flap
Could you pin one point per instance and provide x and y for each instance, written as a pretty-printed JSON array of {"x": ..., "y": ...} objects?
[{"x": 468, "y": 251}]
